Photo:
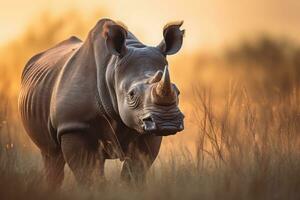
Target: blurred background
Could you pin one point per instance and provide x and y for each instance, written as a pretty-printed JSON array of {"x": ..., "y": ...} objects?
[
  {"x": 254, "y": 42},
  {"x": 238, "y": 72}
]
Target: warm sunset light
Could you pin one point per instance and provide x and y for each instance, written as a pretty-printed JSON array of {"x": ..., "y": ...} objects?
[
  {"x": 150, "y": 99},
  {"x": 209, "y": 23}
]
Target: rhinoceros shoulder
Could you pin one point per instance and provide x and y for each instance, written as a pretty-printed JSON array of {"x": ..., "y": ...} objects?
[
  {"x": 61, "y": 46},
  {"x": 71, "y": 40}
]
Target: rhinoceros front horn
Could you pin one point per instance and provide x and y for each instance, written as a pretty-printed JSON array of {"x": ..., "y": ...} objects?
[{"x": 163, "y": 92}]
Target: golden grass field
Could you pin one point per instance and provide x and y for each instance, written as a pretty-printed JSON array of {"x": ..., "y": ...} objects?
[{"x": 242, "y": 136}]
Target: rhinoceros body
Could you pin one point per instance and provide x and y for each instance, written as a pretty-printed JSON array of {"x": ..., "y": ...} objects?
[
  {"x": 38, "y": 82},
  {"x": 104, "y": 98}
]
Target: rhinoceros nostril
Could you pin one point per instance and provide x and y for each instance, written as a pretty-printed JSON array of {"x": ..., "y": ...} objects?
[{"x": 149, "y": 124}]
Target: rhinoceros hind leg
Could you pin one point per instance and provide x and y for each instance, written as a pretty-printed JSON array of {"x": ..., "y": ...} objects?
[
  {"x": 141, "y": 155},
  {"x": 80, "y": 153},
  {"x": 54, "y": 169}
]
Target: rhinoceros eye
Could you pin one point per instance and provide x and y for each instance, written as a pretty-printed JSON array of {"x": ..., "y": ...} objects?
[
  {"x": 132, "y": 99},
  {"x": 131, "y": 94}
]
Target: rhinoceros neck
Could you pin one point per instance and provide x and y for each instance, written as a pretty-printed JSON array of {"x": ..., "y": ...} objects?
[
  {"x": 102, "y": 59},
  {"x": 105, "y": 91}
]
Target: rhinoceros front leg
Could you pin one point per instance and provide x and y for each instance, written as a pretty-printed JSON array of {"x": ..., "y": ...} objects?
[
  {"x": 80, "y": 153},
  {"x": 141, "y": 154}
]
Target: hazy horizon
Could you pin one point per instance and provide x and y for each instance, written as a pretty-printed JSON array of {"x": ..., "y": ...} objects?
[{"x": 209, "y": 24}]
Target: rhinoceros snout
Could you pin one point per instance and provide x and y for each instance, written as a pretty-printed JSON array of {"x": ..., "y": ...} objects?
[{"x": 163, "y": 125}]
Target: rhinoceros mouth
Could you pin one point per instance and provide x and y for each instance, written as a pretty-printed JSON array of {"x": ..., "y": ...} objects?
[{"x": 163, "y": 122}]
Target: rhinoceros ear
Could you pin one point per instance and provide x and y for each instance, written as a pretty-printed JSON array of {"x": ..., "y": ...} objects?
[
  {"x": 115, "y": 39},
  {"x": 173, "y": 37}
]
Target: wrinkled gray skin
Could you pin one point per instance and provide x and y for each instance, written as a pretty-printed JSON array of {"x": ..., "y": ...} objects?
[{"x": 105, "y": 98}]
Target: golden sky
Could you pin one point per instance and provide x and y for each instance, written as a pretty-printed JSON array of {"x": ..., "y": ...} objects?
[{"x": 208, "y": 23}]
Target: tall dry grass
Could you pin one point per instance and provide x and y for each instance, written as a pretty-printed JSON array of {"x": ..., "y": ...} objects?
[
  {"x": 257, "y": 144},
  {"x": 243, "y": 137}
]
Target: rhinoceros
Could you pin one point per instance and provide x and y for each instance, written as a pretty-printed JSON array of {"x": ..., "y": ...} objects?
[{"x": 108, "y": 97}]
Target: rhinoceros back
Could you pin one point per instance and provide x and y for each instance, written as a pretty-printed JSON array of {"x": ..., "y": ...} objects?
[{"x": 37, "y": 83}]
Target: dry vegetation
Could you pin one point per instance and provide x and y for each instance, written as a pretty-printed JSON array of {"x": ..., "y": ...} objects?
[{"x": 243, "y": 134}]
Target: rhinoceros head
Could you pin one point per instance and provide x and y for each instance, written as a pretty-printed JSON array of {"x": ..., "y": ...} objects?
[{"x": 147, "y": 100}]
